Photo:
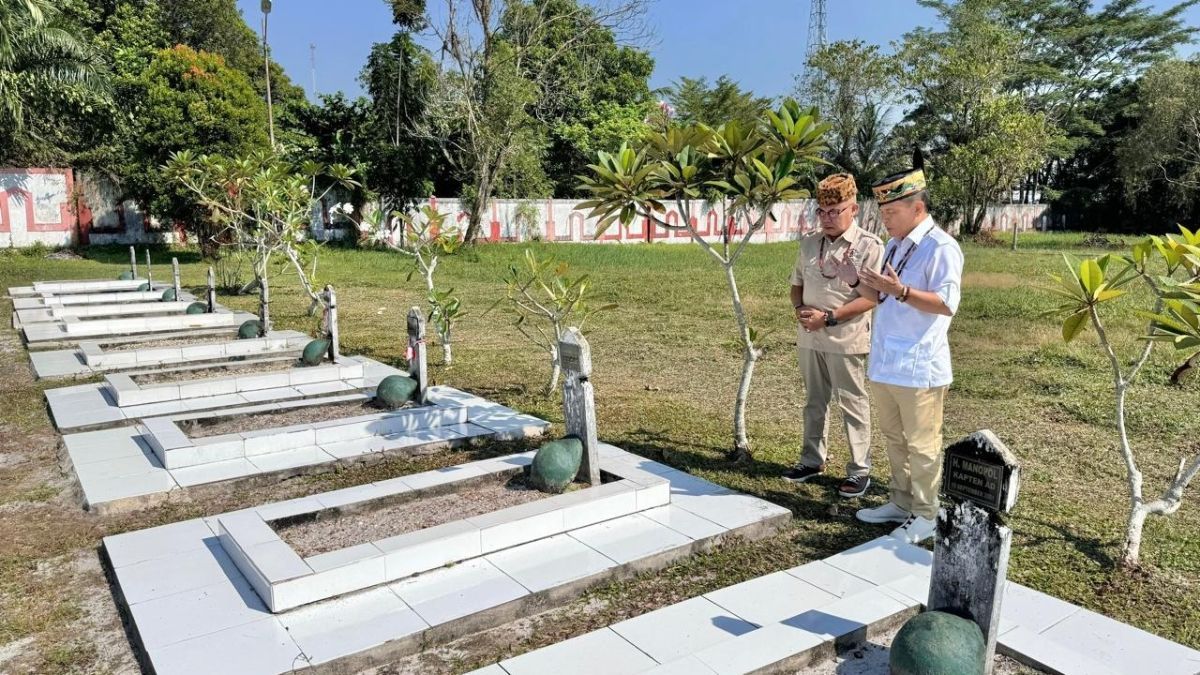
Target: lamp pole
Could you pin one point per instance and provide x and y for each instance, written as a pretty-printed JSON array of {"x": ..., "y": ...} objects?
[{"x": 266, "y": 11}]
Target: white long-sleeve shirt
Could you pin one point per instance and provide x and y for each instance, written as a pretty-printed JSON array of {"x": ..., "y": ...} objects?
[{"x": 911, "y": 348}]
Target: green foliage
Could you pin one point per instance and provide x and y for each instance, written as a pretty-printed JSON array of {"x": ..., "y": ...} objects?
[
  {"x": 546, "y": 299},
  {"x": 191, "y": 102},
  {"x": 697, "y": 102},
  {"x": 1165, "y": 144},
  {"x": 44, "y": 68},
  {"x": 752, "y": 167},
  {"x": 853, "y": 84}
]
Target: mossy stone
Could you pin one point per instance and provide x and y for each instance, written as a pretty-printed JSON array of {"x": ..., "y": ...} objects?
[
  {"x": 394, "y": 391},
  {"x": 197, "y": 308},
  {"x": 169, "y": 295},
  {"x": 556, "y": 464},
  {"x": 248, "y": 330},
  {"x": 314, "y": 352},
  {"x": 937, "y": 643},
  {"x": 127, "y": 275}
]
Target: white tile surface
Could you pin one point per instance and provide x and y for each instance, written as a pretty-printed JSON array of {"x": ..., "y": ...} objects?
[
  {"x": 211, "y": 473},
  {"x": 428, "y": 549},
  {"x": 350, "y": 624},
  {"x": 290, "y": 459},
  {"x": 1122, "y": 647},
  {"x": 550, "y": 562},
  {"x": 771, "y": 598},
  {"x": 882, "y": 560},
  {"x": 251, "y": 649},
  {"x": 156, "y": 542},
  {"x": 688, "y": 665},
  {"x": 681, "y": 629},
  {"x": 684, "y": 522},
  {"x": 1031, "y": 609},
  {"x": 830, "y": 579},
  {"x": 1052, "y": 656},
  {"x": 848, "y": 614},
  {"x": 200, "y": 611},
  {"x": 758, "y": 649},
  {"x": 447, "y": 594},
  {"x": 601, "y": 652},
  {"x": 183, "y": 571},
  {"x": 630, "y": 538}
]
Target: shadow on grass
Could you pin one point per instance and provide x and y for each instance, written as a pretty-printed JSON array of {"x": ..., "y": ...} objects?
[
  {"x": 1091, "y": 548},
  {"x": 160, "y": 255}
]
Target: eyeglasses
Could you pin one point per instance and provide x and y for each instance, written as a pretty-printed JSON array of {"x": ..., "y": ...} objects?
[{"x": 831, "y": 213}]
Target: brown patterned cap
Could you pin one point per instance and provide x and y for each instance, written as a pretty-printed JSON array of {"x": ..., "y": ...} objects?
[{"x": 835, "y": 189}]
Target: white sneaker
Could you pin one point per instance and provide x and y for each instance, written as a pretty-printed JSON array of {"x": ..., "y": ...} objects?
[
  {"x": 888, "y": 513},
  {"x": 915, "y": 530}
]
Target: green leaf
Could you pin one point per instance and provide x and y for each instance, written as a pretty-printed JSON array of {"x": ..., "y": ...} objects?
[
  {"x": 1074, "y": 325},
  {"x": 1091, "y": 276}
]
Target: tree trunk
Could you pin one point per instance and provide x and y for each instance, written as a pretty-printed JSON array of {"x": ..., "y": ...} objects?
[
  {"x": 741, "y": 441},
  {"x": 555, "y": 371},
  {"x": 1133, "y": 536},
  {"x": 483, "y": 195},
  {"x": 447, "y": 357}
]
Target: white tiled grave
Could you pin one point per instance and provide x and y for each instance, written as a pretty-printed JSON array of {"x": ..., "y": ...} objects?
[
  {"x": 284, "y": 580},
  {"x": 60, "y": 313},
  {"x": 49, "y": 300},
  {"x": 73, "y": 330},
  {"x": 120, "y": 398},
  {"x": 784, "y": 621},
  {"x": 100, "y": 356},
  {"x": 74, "y": 287},
  {"x": 124, "y": 468},
  {"x": 193, "y": 611}
]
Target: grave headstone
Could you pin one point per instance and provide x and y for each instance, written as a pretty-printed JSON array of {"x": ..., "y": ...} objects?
[
  {"x": 264, "y": 307},
  {"x": 149, "y": 281},
  {"x": 579, "y": 402},
  {"x": 175, "y": 276},
  {"x": 133, "y": 262},
  {"x": 418, "y": 363},
  {"x": 211, "y": 292},
  {"x": 331, "y": 322},
  {"x": 980, "y": 482}
]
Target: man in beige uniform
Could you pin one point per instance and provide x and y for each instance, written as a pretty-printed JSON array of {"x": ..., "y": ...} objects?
[{"x": 834, "y": 336}]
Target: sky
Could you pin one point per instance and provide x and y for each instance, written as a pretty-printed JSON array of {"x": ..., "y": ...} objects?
[{"x": 759, "y": 43}]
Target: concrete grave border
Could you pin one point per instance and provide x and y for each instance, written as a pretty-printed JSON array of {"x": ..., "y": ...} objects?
[
  {"x": 127, "y": 392},
  {"x": 285, "y": 581}
]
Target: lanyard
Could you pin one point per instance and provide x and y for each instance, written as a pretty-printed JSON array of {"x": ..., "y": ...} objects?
[{"x": 903, "y": 262}]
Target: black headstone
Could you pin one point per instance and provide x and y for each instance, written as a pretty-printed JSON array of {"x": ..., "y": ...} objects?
[{"x": 981, "y": 470}]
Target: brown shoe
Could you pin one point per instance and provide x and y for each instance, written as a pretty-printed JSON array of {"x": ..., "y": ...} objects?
[{"x": 854, "y": 486}]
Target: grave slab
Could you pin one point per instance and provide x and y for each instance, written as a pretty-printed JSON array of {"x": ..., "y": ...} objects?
[
  {"x": 354, "y": 630},
  {"x": 602, "y": 652}
]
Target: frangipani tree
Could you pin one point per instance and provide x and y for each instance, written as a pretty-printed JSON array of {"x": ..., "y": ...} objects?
[
  {"x": 1174, "y": 320},
  {"x": 263, "y": 204},
  {"x": 423, "y": 237},
  {"x": 751, "y": 169}
]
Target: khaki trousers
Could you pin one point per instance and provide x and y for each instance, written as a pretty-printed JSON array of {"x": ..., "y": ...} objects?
[
  {"x": 911, "y": 422},
  {"x": 844, "y": 377}
]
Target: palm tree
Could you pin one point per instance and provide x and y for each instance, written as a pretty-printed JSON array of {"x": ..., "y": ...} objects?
[{"x": 39, "y": 56}]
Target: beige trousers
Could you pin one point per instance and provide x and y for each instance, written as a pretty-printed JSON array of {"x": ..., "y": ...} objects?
[
  {"x": 911, "y": 422},
  {"x": 843, "y": 376}
]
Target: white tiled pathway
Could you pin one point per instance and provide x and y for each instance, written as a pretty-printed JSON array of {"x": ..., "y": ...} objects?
[
  {"x": 114, "y": 465},
  {"x": 764, "y": 621},
  {"x": 195, "y": 613}
]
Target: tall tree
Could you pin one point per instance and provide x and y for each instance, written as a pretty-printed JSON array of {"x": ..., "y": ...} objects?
[
  {"x": 695, "y": 100},
  {"x": 482, "y": 113},
  {"x": 189, "y": 100},
  {"x": 857, "y": 85},
  {"x": 983, "y": 138},
  {"x": 1164, "y": 147},
  {"x": 43, "y": 66}
]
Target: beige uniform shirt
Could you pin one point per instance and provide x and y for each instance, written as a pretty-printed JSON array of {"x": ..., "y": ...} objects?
[{"x": 848, "y": 337}]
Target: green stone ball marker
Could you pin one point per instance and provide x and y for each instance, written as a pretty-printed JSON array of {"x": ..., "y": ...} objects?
[
  {"x": 938, "y": 643},
  {"x": 394, "y": 391},
  {"x": 556, "y": 463}
]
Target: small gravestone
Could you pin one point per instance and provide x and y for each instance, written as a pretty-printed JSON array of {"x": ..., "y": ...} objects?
[
  {"x": 417, "y": 354},
  {"x": 980, "y": 481},
  {"x": 331, "y": 322},
  {"x": 132, "y": 263},
  {"x": 169, "y": 295},
  {"x": 579, "y": 402},
  {"x": 149, "y": 281},
  {"x": 264, "y": 307},
  {"x": 211, "y": 292},
  {"x": 175, "y": 277}
]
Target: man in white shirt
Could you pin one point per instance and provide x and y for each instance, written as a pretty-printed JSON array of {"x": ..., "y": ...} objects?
[{"x": 919, "y": 290}]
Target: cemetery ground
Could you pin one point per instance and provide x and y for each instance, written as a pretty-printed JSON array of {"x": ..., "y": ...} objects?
[{"x": 666, "y": 369}]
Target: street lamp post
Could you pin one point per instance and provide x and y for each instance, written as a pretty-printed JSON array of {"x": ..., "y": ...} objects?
[{"x": 266, "y": 10}]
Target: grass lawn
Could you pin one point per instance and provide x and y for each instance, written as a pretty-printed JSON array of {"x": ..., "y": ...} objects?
[{"x": 666, "y": 369}]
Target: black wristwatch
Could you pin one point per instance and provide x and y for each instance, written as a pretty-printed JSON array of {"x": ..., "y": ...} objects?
[{"x": 830, "y": 319}]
